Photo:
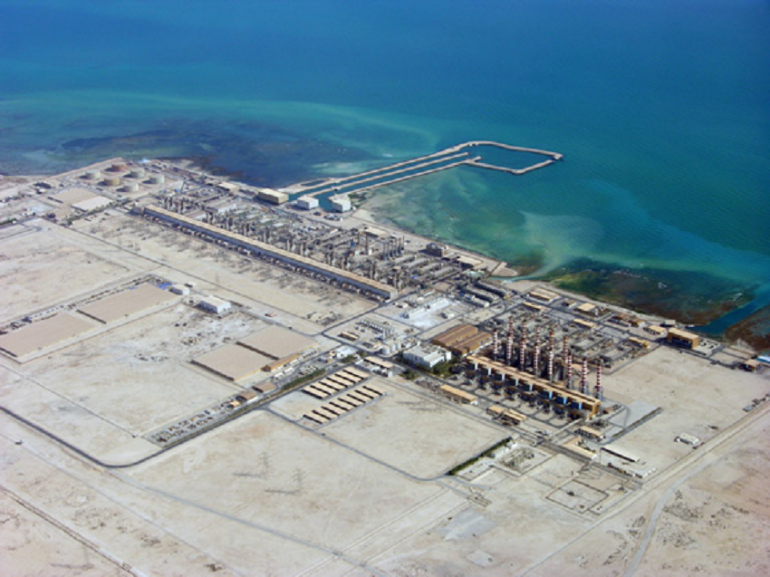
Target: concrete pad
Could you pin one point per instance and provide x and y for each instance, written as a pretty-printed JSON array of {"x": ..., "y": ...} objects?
[
  {"x": 233, "y": 362},
  {"x": 277, "y": 342},
  {"x": 75, "y": 195},
  {"x": 127, "y": 303},
  {"x": 42, "y": 334}
]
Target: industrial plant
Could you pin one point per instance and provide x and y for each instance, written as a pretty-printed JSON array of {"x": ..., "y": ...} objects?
[{"x": 200, "y": 364}]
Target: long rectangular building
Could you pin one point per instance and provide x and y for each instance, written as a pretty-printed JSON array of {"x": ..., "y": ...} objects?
[
  {"x": 458, "y": 395},
  {"x": 368, "y": 285}
]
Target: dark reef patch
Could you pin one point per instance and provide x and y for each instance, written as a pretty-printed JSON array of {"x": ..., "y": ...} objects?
[
  {"x": 255, "y": 153},
  {"x": 689, "y": 297}
]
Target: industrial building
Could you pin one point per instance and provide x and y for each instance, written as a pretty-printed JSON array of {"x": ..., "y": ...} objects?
[
  {"x": 341, "y": 203},
  {"x": 82, "y": 199},
  {"x": 543, "y": 295},
  {"x": 588, "y": 309},
  {"x": 426, "y": 357},
  {"x": 380, "y": 366},
  {"x": 459, "y": 396},
  {"x": 272, "y": 196},
  {"x": 214, "y": 305},
  {"x": 656, "y": 330},
  {"x": 577, "y": 402},
  {"x": 683, "y": 339},
  {"x": 437, "y": 249},
  {"x": 261, "y": 248},
  {"x": 462, "y": 339},
  {"x": 307, "y": 203},
  {"x": 229, "y": 187}
]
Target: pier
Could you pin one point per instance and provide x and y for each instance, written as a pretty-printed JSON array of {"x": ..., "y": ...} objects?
[{"x": 458, "y": 155}]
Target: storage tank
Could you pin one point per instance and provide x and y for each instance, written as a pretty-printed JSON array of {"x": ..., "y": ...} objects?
[
  {"x": 93, "y": 175},
  {"x": 118, "y": 168},
  {"x": 137, "y": 173},
  {"x": 113, "y": 181},
  {"x": 131, "y": 187},
  {"x": 157, "y": 179}
]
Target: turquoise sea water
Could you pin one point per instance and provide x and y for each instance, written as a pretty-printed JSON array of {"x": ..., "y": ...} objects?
[{"x": 660, "y": 108}]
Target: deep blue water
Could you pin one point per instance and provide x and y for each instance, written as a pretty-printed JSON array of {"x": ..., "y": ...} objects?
[{"x": 660, "y": 108}]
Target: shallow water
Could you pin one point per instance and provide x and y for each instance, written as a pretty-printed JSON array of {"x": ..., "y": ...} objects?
[{"x": 658, "y": 106}]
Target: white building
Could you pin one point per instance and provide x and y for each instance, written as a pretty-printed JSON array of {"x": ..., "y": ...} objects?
[
  {"x": 307, "y": 203},
  {"x": 426, "y": 356},
  {"x": 179, "y": 289},
  {"x": 214, "y": 305},
  {"x": 340, "y": 203}
]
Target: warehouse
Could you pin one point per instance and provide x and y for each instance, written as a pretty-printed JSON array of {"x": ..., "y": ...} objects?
[
  {"x": 459, "y": 396},
  {"x": 543, "y": 295},
  {"x": 272, "y": 196},
  {"x": 683, "y": 339},
  {"x": 340, "y": 203},
  {"x": 214, "y": 305},
  {"x": 462, "y": 339},
  {"x": 306, "y": 203}
]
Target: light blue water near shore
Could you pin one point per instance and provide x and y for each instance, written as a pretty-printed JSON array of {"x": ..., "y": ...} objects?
[{"x": 660, "y": 108}]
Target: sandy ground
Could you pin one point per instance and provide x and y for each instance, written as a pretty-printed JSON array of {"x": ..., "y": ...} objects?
[
  {"x": 429, "y": 435},
  {"x": 296, "y": 299},
  {"x": 264, "y": 495},
  {"x": 42, "y": 267},
  {"x": 31, "y": 546}
]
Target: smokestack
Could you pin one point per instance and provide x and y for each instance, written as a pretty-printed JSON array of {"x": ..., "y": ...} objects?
[
  {"x": 550, "y": 365},
  {"x": 598, "y": 391},
  {"x": 551, "y": 353},
  {"x": 509, "y": 350},
  {"x": 536, "y": 362},
  {"x": 584, "y": 377},
  {"x": 569, "y": 370},
  {"x": 495, "y": 345},
  {"x": 523, "y": 351}
]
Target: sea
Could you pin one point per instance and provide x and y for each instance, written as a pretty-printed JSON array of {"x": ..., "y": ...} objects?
[{"x": 660, "y": 108}]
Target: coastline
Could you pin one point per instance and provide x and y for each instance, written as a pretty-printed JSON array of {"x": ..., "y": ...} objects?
[
  {"x": 662, "y": 293},
  {"x": 667, "y": 294}
]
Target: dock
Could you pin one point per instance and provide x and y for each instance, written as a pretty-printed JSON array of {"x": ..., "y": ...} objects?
[{"x": 454, "y": 156}]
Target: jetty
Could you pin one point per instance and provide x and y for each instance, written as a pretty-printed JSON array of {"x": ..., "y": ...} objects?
[{"x": 454, "y": 156}]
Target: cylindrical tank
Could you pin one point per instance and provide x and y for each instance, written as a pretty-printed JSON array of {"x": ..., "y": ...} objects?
[
  {"x": 118, "y": 168},
  {"x": 137, "y": 173},
  {"x": 93, "y": 175},
  {"x": 157, "y": 179},
  {"x": 113, "y": 181},
  {"x": 131, "y": 187}
]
